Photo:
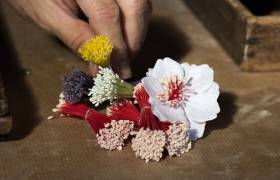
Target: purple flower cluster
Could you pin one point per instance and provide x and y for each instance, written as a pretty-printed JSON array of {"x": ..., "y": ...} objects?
[{"x": 76, "y": 86}]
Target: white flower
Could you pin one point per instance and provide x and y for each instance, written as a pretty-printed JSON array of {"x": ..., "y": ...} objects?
[
  {"x": 108, "y": 86},
  {"x": 183, "y": 92}
]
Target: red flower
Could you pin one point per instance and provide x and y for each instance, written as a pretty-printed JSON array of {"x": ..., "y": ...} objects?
[
  {"x": 95, "y": 119},
  {"x": 126, "y": 110}
]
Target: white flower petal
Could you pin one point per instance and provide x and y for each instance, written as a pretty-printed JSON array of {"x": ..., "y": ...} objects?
[
  {"x": 202, "y": 107},
  {"x": 202, "y": 77},
  {"x": 166, "y": 68},
  {"x": 214, "y": 90},
  {"x": 157, "y": 68},
  {"x": 185, "y": 66},
  {"x": 150, "y": 72},
  {"x": 152, "y": 86},
  {"x": 196, "y": 130},
  {"x": 167, "y": 113}
]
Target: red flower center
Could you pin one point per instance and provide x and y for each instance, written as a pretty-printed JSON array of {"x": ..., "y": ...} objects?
[{"x": 173, "y": 93}]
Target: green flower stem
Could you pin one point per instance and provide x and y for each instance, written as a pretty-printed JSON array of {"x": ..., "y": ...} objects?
[{"x": 123, "y": 89}]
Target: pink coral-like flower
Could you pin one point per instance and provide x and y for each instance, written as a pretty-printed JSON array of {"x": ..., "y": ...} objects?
[
  {"x": 182, "y": 93},
  {"x": 113, "y": 135},
  {"x": 149, "y": 144}
]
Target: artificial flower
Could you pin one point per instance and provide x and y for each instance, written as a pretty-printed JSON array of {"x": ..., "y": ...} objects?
[
  {"x": 76, "y": 86},
  {"x": 182, "y": 93},
  {"x": 108, "y": 86},
  {"x": 141, "y": 96},
  {"x": 124, "y": 109},
  {"x": 96, "y": 120},
  {"x": 97, "y": 50},
  {"x": 149, "y": 144},
  {"x": 144, "y": 118},
  {"x": 114, "y": 134},
  {"x": 147, "y": 118},
  {"x": 178, "y": 141}
]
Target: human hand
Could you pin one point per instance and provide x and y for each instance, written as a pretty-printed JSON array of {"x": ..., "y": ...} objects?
[{"x": 123, "y": 21}]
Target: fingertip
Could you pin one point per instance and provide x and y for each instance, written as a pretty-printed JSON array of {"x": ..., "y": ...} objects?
[
  {"x": 126, "y": 73},
  {"x": 93, "y": 69},
  {"x": 123, "y": 69}
]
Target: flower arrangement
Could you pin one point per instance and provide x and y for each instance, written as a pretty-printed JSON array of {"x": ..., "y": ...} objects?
[{"x": 162, "y": 115}]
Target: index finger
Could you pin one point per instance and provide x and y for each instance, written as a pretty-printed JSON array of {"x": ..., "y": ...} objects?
[{"x": 104, "y": 18}]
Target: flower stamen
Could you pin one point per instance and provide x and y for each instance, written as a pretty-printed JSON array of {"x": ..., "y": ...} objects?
[{"x": 174, "y": 92}]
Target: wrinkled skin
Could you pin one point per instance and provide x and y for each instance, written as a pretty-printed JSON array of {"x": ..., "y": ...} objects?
[{"x": 123, "y": 21}]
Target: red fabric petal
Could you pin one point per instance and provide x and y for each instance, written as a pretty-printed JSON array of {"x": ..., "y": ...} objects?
[
  {"x": 164, "y": 125},
  {"x": 123, "y": 110},
  {"x": 148, "y": 120},
  {"x": 95, "y": 119},
  {"x": 75, "y": 110},
  {"x": 141, "y": 96}
]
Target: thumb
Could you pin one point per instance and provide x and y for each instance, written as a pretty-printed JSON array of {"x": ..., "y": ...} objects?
[
  {"x": 105, "y": 18},
  {"x": 73, "y": 31}
]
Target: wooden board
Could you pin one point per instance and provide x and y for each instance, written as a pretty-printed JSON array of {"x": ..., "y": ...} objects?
[{"x": 253, "y": 41}]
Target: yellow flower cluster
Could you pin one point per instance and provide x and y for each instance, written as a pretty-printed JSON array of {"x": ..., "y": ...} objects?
[{"x": 97, "y": 50}]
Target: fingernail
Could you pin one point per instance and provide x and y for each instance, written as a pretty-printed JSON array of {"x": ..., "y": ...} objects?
[
  {"x": 123, "y": 69},
  {"x": 93, "y": 69}
]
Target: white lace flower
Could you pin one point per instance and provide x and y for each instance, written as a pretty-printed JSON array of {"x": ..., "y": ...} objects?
[
  {"x": 108, "y": 86},
  {"x": 183, "y": 92}
]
